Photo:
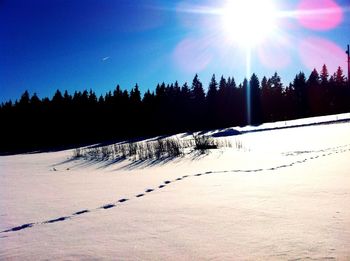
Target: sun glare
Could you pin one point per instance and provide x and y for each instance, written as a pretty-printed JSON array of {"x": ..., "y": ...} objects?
[{"x": 248, "y": 22}]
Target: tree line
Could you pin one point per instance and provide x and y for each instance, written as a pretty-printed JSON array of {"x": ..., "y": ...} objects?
[{"x": 31, "y": 123}]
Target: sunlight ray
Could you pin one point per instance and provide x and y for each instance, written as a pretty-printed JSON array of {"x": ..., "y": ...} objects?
[{"x": 248, "y": 74}]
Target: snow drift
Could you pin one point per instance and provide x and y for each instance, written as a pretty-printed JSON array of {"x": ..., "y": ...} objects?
[{"x": 283, "y": 194}]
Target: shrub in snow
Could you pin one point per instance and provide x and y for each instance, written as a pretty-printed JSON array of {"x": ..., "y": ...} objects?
[{"x": 204, "y": 143}]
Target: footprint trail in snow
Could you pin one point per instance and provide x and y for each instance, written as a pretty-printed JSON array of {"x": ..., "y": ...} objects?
[{"x": 323, "y": 153}]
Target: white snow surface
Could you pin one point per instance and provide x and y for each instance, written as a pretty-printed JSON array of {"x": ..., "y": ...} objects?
[{"x": 285, "y": 195}]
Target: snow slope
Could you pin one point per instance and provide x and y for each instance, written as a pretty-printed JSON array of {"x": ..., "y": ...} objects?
[{"x": 284, "y": 195}]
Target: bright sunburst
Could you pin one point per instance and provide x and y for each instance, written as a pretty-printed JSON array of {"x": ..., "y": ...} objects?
[{"x": 248, "y": 22}]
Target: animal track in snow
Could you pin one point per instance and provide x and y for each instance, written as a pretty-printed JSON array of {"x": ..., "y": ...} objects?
[
  {"x": 339, "y": 149},
  {"x": 108, "y": 206},
  {"x": 24, "y": 226},
  {"x": 81, "y": 212},
  {"x": 57, "y": 220}
]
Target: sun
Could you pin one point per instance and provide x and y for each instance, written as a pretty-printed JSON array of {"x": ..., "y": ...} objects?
[{"x": 248, "y": 22}]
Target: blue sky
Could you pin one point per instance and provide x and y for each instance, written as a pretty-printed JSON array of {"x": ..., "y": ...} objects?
[{"x": 75, "y": 45}]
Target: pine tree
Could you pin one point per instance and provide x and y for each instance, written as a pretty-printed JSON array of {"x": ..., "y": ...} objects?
[
  {"x": 197, "y": 103},
  {"x": 135, "y": 96},
  {"x": 222, "y": 87},
  {"x": 300, "y": 90},
  {"x": 25, "y": 98},
  {"x": 35, "y": 101},
  {"x": 212, "y": 101},
  {"x": 255, "y": 104},
  {"x": 315, "y": 95},
  {"x": 212, "y": 90},
  {"x": 198, "y": 94},
  {"x": 92, "y": 98},
  {"x": 324, "y": 75},
  {"x": 314, "y": 79},
  {"x": 339, "y": 77},
  {"x": 57, "y": 98}
]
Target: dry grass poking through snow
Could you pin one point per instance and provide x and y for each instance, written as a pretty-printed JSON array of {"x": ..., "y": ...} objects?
[{"x": 156, "y": 149}]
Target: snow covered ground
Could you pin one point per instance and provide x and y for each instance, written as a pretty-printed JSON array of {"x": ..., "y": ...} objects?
[{"x": 284, "y": 195}]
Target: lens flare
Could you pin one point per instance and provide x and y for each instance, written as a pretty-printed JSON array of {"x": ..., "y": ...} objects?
[
  {"x": 319, "y": 15},
  {"x": 315, "y": 52}
]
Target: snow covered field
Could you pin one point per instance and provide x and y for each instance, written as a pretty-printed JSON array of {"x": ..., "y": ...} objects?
[{"x": 284, "y": 195}]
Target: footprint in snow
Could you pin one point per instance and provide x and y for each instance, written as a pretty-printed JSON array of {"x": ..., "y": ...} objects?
[
  {"x": 108, "y": 206},
  {"x": 56, "y": 220},
  {"x": 24, "y": 226},
  {"x": 81, "y": 212}
]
